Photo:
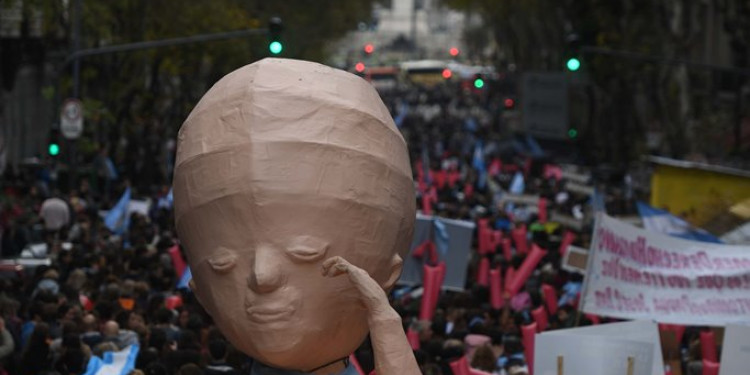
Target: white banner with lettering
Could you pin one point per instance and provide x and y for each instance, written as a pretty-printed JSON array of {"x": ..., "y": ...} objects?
[{"x": 636, "y": 274}]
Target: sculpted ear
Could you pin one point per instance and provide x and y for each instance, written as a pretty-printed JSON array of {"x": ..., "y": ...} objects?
[{"x": 396, "y": 266}]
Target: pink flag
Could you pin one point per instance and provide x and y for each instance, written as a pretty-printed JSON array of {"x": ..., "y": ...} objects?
[
  {"x": 708, "y": 346},
  {"x": 496, "y": 290},
  {"x": 506, "y": 248},
  {"x": 468, "y": 191},
  {"x": 485, "y": 240},
  {"x": 177, "y": 261},
  {"x": 527, "y": 267},
  {"x": 495, "y": 166},
  {"x": 431, "y": 290},
  {"x": 519, "y": 237},
  {"x": 527, "y": 333},
  {"x": 413, "y": 337},
  {"x": 540, "y": 317},
  {"x": 542, "y": 206},
  {"x": 678, "y": 330},
  {"x": 568, "y": 238},
  {"x": 483, "y": 272},
  {"x": 510, "y": 274},
  {"x": 426, "y": 205},
  {"x": 710, "y": 367},
  {"x": 427, "y": 249},
  {"x": 550, "y": 298},
  {"x": 496, "y": 239}
]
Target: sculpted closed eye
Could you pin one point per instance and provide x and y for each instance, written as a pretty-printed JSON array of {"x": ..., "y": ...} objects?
[
  {"x": 223, "y": 263},
  {"x": 307, "y": 254}
]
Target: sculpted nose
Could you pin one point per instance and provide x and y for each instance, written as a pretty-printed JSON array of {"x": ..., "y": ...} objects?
[{"x": 267, "y": 273}]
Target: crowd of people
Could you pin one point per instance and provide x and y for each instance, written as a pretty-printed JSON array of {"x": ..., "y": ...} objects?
[{"x": 104, "y": 290}]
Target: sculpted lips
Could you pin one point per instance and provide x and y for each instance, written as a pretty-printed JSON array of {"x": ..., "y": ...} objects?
[{"x": 269, "y": 314}]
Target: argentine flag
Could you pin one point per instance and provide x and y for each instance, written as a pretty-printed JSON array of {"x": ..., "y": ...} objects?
[
  {"x": 662, "y": 221},
  {"x": 113, "y": 363},
  {"x": 117, "y": 219}
]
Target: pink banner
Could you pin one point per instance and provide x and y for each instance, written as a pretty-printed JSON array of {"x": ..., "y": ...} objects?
[
  {"x": 568, "y": 238},
  {"x": 708, "y": 346},
  {"x": 506, "y": 248},
  {"x": 431, "y": 286},
  {"x": 496, "y": 290},
  {"x": 550, "y": 298},
  {"x": 540, "y": 317},
  {"x": 496, "y": 239},
  {"x": 177, "y": 261},
  {"x": 413, "y": 337},
  {"x": 510, "y": 274},
  {"x": 710, "y": 367},
  {"x": 485, "y": 239},
  {"x": 519, "y": 237},
  {"x": 426, "y": 249},
  {"x": 679, "y": 330},
  {"x": 483, "y": 272},
  {"x": 527, "y": 267},
  {"x": 527, "y": 334},
  {"x": 542, "y": 206}
]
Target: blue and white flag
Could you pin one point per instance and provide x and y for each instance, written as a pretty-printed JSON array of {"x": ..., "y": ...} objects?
[
  {"x": 113, "y": 363},
  {"x": 403, "y": 111},
  {"x": 117, "y": 219},
  {"x": 478, "y": 164},
  {"x": 662, "y": 221},
  {"x": 442, "y": 238},
  {"x": 517, "y": 186},
  {"x": 184, "y": 281}
]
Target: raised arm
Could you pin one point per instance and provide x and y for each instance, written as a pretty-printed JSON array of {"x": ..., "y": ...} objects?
[{"x": 393, "y": 354}]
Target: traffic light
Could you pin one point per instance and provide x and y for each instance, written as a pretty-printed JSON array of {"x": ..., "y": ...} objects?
[
  {"x": 275, "y": 27},
  {"x": 447, "y": 73},
  {"x": 53, "y": 144},
  {"x": 478, "y": 81},
  {"x": 572, "y": 133},
  {"x": 572, "y": 61},
  {"x": 573, "y": 64},
  {"x": 509, "y": 103},
  {"x": 453, "y": 51},
  {"x": 369, "y": 48},
  {"x": 359, "y": 67}
]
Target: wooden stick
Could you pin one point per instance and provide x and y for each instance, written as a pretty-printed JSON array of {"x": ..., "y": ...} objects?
[
  {"x": 559, "y": 365},
  {"x": 631, "y": 365}
]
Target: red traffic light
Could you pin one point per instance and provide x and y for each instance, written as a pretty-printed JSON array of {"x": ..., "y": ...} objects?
[
  {"x": 453, "y": 51},
  {"x": 509, "y": 103},
  {"x": 359, "y": 67},
  {"x": 447, "y": 73},
  {"x": 369, "y": 48}
]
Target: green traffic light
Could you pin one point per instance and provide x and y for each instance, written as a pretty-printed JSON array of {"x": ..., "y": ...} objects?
[
  {"x": 53, "y": 149},
  {"x": 572, "y": 133},
  {"x": 573, "y": 64},
  {"x": 479, "y": 83},
  {"x": 275, "y": 47}
]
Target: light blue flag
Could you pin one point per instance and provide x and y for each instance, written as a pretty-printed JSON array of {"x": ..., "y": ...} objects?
[
  {"x": 597, "y": 201},
  {"x": 113, "y": 363},
  {"x": 478, "y": 164},
  {"x": 442, "y": 238},
  {"x": 403, "y": 111},
  {"x": 184, "y": 281},
  {"x": 117, "y": 219},
  {"x": 517, "y": 186},
  {"x": 662, "y": 221},
  {"x": 534, "y": 148}
]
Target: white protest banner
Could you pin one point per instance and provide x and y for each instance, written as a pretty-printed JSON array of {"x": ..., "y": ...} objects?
[
  {"x": 642, "y": 331},
  {"x": 584, "y": 355},
  {"x": 636, "y": 274},
  {"x": 735, "y": 352},
  {"x": 567, "y": 220}
]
